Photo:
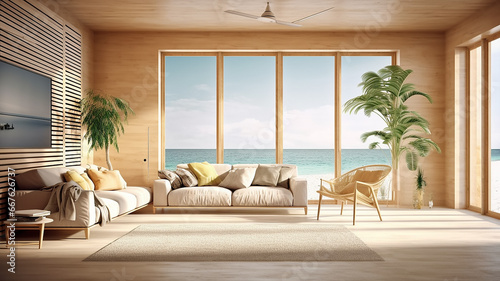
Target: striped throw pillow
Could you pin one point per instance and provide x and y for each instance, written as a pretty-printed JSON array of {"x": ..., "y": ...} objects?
[
  {"x": 172, "y": 177},
  {"x": 188, "y": 179}
]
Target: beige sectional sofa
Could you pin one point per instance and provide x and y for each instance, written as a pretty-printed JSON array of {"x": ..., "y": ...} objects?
[
  {"x": 119, "y": 202},
  {"x": 293, "y": 195}
]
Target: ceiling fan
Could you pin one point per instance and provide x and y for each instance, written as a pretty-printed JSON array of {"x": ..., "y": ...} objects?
[{"x": 268, "y": 16}]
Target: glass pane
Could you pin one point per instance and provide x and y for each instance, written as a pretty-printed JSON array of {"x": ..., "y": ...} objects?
[
  {"x": 190, "y": 110},
  {"x": 495, "y": 125},
  {"x": 249, "y": 109},
  {"x": 355, "y": 153},
  {"x": 308, "y": 117},
  {"x": 475, "y": 128}
]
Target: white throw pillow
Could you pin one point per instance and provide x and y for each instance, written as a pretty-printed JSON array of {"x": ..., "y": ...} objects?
[{"x": 239, "y": 178}]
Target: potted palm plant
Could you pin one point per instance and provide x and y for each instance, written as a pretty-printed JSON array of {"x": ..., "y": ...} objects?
[
  {"x": 103, "y": 116},
  {"x": 385, "y": 94}
]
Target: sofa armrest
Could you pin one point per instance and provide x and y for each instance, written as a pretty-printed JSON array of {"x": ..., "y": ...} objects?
[
  {"x": 85, "y": 209},
  {"x": 161, "y": 188},
  {"x": 37, "y": 199},
  {"x": 298, "y": 186}
]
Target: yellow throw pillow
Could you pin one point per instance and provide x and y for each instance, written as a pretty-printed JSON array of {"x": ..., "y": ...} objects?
[
  {"x": 88, "y": 180},
  {"x": 76, "y": 177},
  {"x": 205, "y": 173},
  {"x": 106, "y": 180}
]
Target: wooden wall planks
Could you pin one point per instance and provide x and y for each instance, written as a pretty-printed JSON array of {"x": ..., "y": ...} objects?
[{"x": 39, "y": 40}]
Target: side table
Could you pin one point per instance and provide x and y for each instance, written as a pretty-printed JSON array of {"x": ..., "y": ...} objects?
[{"x": 27, "y": 225}]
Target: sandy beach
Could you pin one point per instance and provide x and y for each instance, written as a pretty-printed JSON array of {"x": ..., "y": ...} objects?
[{"x": 313, "y": 182}]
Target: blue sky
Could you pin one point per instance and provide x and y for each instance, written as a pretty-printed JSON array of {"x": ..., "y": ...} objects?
[{"x": 249, "y": 101}]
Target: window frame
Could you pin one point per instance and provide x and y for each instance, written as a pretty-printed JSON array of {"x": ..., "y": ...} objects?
[
  {"x": 485, "y": 123},
  {"x": 394, "y": 54}
]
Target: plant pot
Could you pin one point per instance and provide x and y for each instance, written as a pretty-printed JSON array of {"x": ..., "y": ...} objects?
[{"x": 418, "y": 198}]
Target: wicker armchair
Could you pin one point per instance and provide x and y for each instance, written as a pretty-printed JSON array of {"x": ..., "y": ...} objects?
[{"x": 359, "y": 186}]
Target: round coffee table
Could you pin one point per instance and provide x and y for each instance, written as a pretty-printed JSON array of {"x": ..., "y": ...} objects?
[{"x": 27, "y": 225}]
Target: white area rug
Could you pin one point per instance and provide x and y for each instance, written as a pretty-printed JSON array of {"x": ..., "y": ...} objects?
[{"x": 237, "y": 242}]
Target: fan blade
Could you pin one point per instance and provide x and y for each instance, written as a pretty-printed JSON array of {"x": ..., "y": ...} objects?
[
  {"x": 313, "y": 15},
  {"x": 241, "y": 14},
  {"x": 288, "y": 23}
]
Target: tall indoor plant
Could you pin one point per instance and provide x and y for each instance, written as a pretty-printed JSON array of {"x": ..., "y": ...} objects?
[
  {"x": 103, "y": 116},
  {"x": 385, "y": 94}
]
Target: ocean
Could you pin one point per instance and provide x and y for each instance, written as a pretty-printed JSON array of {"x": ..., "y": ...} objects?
[
  {"x": 308, "y": 161},
  {"x": 311, "y": 163}
]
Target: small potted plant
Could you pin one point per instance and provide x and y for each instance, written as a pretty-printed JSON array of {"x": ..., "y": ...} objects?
[{"x": 420, "y": 183}]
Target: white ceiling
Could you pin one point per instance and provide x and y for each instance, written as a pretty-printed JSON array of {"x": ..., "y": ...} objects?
[{"x": 209, "y": 15}]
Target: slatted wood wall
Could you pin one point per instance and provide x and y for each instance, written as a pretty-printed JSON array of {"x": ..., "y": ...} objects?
[{"x": 42, "y": 42}]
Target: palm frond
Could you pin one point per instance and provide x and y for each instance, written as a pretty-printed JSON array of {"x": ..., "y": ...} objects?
[
  {"x": 380, "y": 134},
  {"x": 411, "y": 160},
  {"x": 408, "y": 95}
]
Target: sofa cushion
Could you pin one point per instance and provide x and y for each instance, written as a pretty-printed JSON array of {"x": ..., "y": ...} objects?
[
  {"x": 79, "y": 179},
  {"x": 106, "y": 180},
  {"x": 201, "y": 196},
  {"x": 188, "y": 179},
  {"x": 172, "y": 177},
  {"x": 126, "y": 201},
  {"x": 113, "y": 207},
  {"x": 239, "y": 178},
  {"x": 38, "y": 178},
  {"x": 367, "y": 176},
  {"x": 142, "y": 194},
  {"x": 349, "y": 189},
  {"x": 100, "y": 169},
  {"x": 267, "y": 175},
  {"x": 286, "y": 173},
  {"x": 205, "y": 173},
  {"x": 260, "y": 196},
  {"x": 221, "y": 169}
]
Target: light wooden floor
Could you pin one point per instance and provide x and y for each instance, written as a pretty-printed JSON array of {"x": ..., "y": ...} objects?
[{"x": 429, "y": 244}]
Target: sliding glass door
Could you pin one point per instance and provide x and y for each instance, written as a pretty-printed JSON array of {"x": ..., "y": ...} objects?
[
  {"x": 190, "y": 109},
  {"x": 308, "y": 117},
  {"x": 249, "y": 109},
  {"x": 356, "y": 153},
  {"x": 269, "y": 107}
]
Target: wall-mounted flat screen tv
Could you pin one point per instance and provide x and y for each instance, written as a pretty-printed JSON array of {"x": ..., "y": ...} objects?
[{"x": 25, "y": 108}]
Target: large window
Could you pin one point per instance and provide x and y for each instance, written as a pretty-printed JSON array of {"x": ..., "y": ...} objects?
[
  {"x": 269, "y": 107},
  {"x": 355, "y": 153},
  {"x": 308, "y": 117},
  {"x": 190, "y": 109},
  {"x": 495, "y": 127},
  {"x": 249, "y": 109}
]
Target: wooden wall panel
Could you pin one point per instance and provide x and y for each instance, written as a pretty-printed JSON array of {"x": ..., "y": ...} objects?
[
  {"x": 38, "y": 40},
  {"x": 126, "y": 65}
]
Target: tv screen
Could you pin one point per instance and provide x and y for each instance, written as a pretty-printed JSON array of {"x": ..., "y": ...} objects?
[{"x": 25, "y": 108}]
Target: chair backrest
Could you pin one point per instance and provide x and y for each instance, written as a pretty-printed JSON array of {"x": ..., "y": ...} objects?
[{"x": 373, "y": 174}]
